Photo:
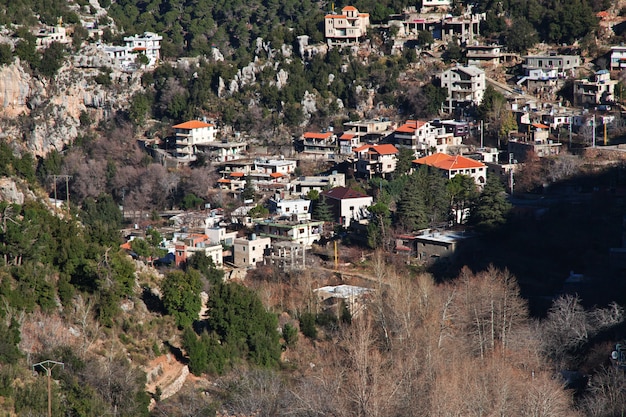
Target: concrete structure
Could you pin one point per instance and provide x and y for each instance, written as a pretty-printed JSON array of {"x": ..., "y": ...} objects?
[
  {"x": 369, "y": 130},
  {"x": 186, "y": 244},
  {"x": 333, "y": 298},
  {"x": 46, "y": 36},
  {"x": 191, "y": 134},
  {"x": 223, "y": 151},
  {"x": 439, "y": 4},
  {"x": 275, "y": 166},
  {"x": 465, "y": 86},
  {"x": 347, "y": 143},
  {"x": 303, "y": 232},
  {"x": 618, "y": 58},
  {"x": 148, "y": 44},
  {"x": 220, "y": 236},
  {"x": 287, "y": 256},
  {"x": 348, "y": 205},
  {"x": 317, "y": 143},
  {"x": 432, "y": 245},
  {"x": 483, "y": 55},
  {"x": 424, "y": 138},
  {"x": 598, "y": 89},
  {"x": 464, "y": 29},
  {"x": 537, "y": 142},
  {"x": 349, "y": 27},
  {"x": 289, "y": 207},
  {"x": 302, "y": 185},
  {"x": 451, "y": 166},
  {"x": 376, "y": 160},
  {"x": 248, "y": 252},
  {"x": 564, "y": 65}
]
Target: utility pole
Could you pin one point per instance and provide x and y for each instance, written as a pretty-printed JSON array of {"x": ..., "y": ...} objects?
[
  {"x": 67, "y": 189},
  {"x": 48, "y": 366},
  {"x": 593, "y": 132}
]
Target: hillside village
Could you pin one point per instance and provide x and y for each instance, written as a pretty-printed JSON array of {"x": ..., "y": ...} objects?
[{"x": 366, "y": 239}]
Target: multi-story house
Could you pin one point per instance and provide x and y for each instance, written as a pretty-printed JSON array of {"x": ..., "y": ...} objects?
[
  {"x": 348, "y": 205},
  {"x": 618, "y": 58},
  {"x": 564, "y": 65},
  {"x": 537, "y": 142},
  {"x": 191, "y": 134},
  {"x": 317, "y": 143},
  {"x": 376, "y": 160},
  {"x": 148, "y": 44},
  {"x": 424, "y": 138},
  {"x": 347, "y": 143},
  {"x": 371, "y": 130},
  {"x": 303, "y": 232},
  {"x": 248, "y": 252},
  {"x": 223, "y": 151},
  {"x": 299, "y": 207},
  {"x": 465, "y": 86},
  {"x": 346, "y": 28},
  {"x": 302, "y": 185},
  {"x": 484, "y": 55},
  {"x": 598, "y": 89},
  {"x": 452, "y": 165},
  {"x": 46, "y": 36}
]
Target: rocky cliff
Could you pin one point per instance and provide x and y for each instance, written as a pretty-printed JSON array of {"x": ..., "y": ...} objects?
[{"x": 39, "y": 115}]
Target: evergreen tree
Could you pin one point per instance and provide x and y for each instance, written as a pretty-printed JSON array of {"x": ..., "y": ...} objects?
[
  {"x": 181, "y": 296},
  {"x": 378, "y": 228},
  {"x": 404, "y": 162},
  {"x": 323, "y": 211},
  {"x": 492, "y": 208},
  {"x": 462, "y": 193},
  {"x": 411, "y": 211}
]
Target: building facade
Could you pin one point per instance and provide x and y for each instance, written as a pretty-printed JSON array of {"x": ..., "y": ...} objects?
[
  {"x": 465, "y": 86},
  {"x": 349, "y": 27}
]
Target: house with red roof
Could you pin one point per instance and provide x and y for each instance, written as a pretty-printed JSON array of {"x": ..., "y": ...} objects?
[
  {"x": 346, "y": 28},
  {"x": 424, "y": 138},
  {"x": 348, "y": 205},
  {"x": 347, "y": 142},
  {"x": 452, "y": 165},
  {"x": 190, "y": 134},
  {"x": 537, "y": 142},
  {"x": 376, "y": 159},
  {"x": 317, "y": 144}
]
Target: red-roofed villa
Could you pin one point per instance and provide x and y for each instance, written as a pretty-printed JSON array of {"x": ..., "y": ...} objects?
[{"x": 452, "y": 165}]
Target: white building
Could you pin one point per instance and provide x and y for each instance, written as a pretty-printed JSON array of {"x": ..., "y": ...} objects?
[
  {"x": 247, "y": 252},
  {"x": 465, "y": 86},
  {"x": 302, "y": 232},
  {"x": 273, "y": 166},
  {"x": 348, "y": 205},
  {"x": 287, "y": 207},
  {"x": 453, "y": 165},
  {"x": 46, "y": 36},
  {"x": 598, "y": 89},
  {"x": 191, "y": 134},
  {"x": 346, "y": 28},
  {"x": 618, "y": 57},
  {"x": 148, "y": 44},
  {"x": 302, "y": 185},
  {"x": 376, "y": 159}
]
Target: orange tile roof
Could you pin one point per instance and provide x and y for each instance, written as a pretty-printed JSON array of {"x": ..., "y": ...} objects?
[
  {"x": 223, "y": 181},
  {"x": 602, "y": 14},
  {"x": 237, "y": 174},
  {"x": 346, "y": 136},
  {"x": 335, "y": 16},
  {"x": 192, "y": 124},
  {"x": 384, "y": 149},
  {"x": 540, "y": 126},
  {"x": 348, "y": 8},
  {"x": 276, "y": 175},
  {"x": 449, "y": 162},
  {"x": 126, "y": 245},
  {"x": 410, "y": 126},
  {"x": 315, "y": 135}
]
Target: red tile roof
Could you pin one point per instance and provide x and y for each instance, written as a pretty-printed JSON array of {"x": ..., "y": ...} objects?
[
  {"x": 346, "y": 136},
  {"x": 410, "y": 126},
  {"x": 276, "y": 175},
  {"x": 315, "y": 135},
  {"x": 384, "y": 149},
  {"x": 237, "y": 174},
  {"x": 540, "y": 126},
  {"x": 350, "y": 8},
  {"x": 192, "y": 124},
  {"x": 449, "y": 162},
  {"x": 343, "y": 193},
  {"x": 223, "y": 181}
]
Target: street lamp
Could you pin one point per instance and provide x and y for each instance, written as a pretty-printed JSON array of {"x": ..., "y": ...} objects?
[{"x": 48, "y": 366}]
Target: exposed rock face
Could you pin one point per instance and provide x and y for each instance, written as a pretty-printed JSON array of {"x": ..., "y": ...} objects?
[
  {"x": 9, "y": 192},
  {"x": 53, "y": 107},
  {"x": 14, "y": 90}
]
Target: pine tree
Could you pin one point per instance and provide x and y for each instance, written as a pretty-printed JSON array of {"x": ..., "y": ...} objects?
[
  {"x": 323, "y": 211},
  {"x": 411, "y": 211},
  {"x": 492, "y": 207}
]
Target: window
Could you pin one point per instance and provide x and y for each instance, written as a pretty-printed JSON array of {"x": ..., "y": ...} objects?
[
  {"x": 473, "y": 170},
  {"x": 287, "y": 209},
  {"x": 254, "y": 248},
  {"x": 351, "y": 208},
  {"x": 244, "y": 248}
]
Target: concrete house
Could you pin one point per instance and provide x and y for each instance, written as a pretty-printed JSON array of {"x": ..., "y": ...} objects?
[
  {"x": 191, "y": 134},
  {"x": 303, "y": 232},
  {"x": 248, "y": 252},
  {"x": 465, "y": 86},
  {"x": 317, "y": 143},
  {"x": 598, "y": 89},
  {"x": 376, "y": 160},
  {"x": 148, "y": 44},
  {"x": 347, "y": 28},
  {"x": 424, "y": 138},
  {"x": 618, "y": 58},
  {"x": 348, "y": 205}
]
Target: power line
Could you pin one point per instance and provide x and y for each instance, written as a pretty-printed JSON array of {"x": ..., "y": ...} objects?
[
  {"x": 67, "y": 189},
  {"x": 48, "y": 366}
]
